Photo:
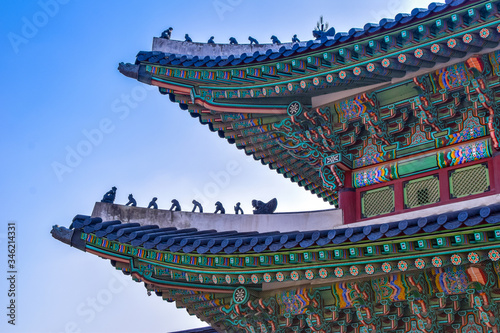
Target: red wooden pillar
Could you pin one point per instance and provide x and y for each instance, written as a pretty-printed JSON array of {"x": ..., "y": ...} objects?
[
  {"x": 399, "y": 201},
  {"x": 347, "y": 200},
  {"x": 495, "y": 184},
  {"x": 444, "y": 186}
]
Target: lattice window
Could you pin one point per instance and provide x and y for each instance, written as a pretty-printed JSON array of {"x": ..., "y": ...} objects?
[
  {"x": 377, "y": 202},
  {"x": 470, "y": 180},
  {"x": 422, "y": 191}
]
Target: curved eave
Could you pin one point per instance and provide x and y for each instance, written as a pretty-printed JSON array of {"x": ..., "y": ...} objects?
[{"x": 172, "y": 259}]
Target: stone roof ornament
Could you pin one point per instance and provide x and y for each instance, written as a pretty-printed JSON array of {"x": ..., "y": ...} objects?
[
  {"x": 153, "y": 204},
  {"x": 219, "y": 208},
  {"x": 175, "y": 206},
  {"x": 109, "y": 197},
  {"x": 187, "y": 38},
  {"x": 264, "y": 208},
  {"x": 253, "y": 40},
  {"x": 275, "y": 40},
  {"x": 197, "y": 205},
  {"x": 233, "y": 41},
  {"x": 131, "y": 201},
  {"x": 295, "y": 39},
  {"x": 211, "y": 40},
  {"x": 167, "y": 33},
  {"x": 237, "y": 209}
]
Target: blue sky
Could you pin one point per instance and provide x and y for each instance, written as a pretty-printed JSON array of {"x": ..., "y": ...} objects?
[{"x": 72, "y": 127}]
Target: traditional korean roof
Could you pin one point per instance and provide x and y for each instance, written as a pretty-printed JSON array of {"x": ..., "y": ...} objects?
[
  {"x": 273, "y": 52},
  {"x": 407, "y": 75},
  {"x": 151, "y": 237},
  {"x": 270, "y": 269}
]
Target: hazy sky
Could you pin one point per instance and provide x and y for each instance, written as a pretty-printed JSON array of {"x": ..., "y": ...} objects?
[{"x": 72, "y": 127}]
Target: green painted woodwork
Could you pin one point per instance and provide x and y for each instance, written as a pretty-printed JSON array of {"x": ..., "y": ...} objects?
[
  {"x": 470, "y": 180},
  {"x": 338, "y": 254},
  {"x": 420, "y": 165},
  {"x": 421, "y": 191},
  {"x": 323, "y": 255},
  {"x": 377, "y": 202},
  {"x": 404, "y": 247},
  {"x": 397, "y": 93},
  {"x": 422, "y": 244},
  {"x": 307, "y": 257}
]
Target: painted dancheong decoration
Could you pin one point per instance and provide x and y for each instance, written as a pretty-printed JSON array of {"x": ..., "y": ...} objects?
[
  {"x": 432, "y": 274},
  {"x": 396, "y": 124}
]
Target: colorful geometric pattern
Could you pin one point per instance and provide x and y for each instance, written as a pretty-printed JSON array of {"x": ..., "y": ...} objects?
[
  {"x": 390, "y": 287},
  {"x": 402, "y": 265},
  {"x": 453, "y": 76},
  {"x": 464, "y": 153},
  {"x": 494, "y": 255},
  {"x": 472, "y": 128},
  {"x": 345, "y": 294},
  {"x": 323, "y": 273},
  {"x": 414, "y": 327},
  {"x": 418, "y": 136},
  {"x": 375, "y": 175},
  {"x": 473, "y": 257},
  {"x": 351, "y": 108},
  {"x": 437, "y": 262},
  {"x": 472, "y": 326},
  {"x": 294, "y": 302},
  {"x": 450, "y": 280},
  {"x": 370, "y": 155},
  {"x": 495, "y": 61},
  {"x": 420, "y": 263},
  {"x": 456, "y": 279},
  {"x": 456, "y": 259}
]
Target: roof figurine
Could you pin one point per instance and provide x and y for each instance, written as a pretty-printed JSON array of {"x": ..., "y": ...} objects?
[
  {"x": 219, "y": 208},
  {"x": 211, "y": 40},
  {"x": 233, "y": 41},
  {"x": 166, "y": 34},
  {"x": 109, "y": 197},
  {"x": 131, "y": 201},
  {"x": 175, "y": 206},
  {"x": 253, "y": 40},
  {"x": 275, "y": 40},
  {"x": 264, "y": 208},
  {"x": 322, "y": 30},
  {"x": 153, "y": 204},
  {"x": 197, "y": 205},
  {"x": 237, "y": 209},
  {"x": 295, "y": 39},
  {"x": 187, "y": 38}
]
